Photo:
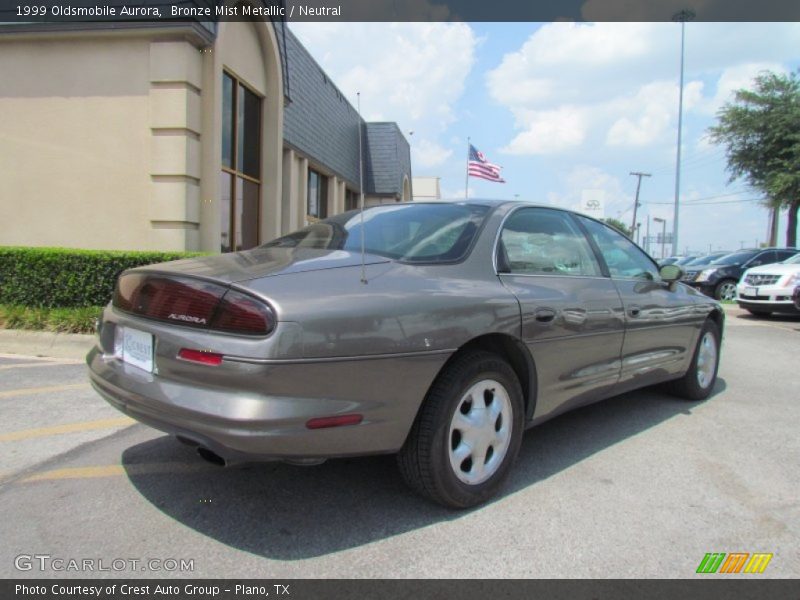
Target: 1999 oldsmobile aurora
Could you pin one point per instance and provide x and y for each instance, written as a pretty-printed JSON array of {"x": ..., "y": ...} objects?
[{"x": 457, "y": 327}]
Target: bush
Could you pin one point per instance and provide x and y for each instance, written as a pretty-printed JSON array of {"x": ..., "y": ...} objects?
[{"x": 64, "y": 277}]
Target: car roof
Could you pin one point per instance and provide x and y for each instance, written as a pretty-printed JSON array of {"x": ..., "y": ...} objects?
[{"x": 488, "y": 202}]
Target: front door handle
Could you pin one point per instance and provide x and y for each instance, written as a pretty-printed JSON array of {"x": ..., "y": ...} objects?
[
  {"x": 544, "y": 315},
  {"x": 634, "y": 311}
]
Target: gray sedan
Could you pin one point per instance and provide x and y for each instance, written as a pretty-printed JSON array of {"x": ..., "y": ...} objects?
[{"x": 436, "y": 331}]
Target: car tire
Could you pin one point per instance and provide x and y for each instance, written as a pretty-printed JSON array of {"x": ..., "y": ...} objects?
[
  {"x": 759, "y": 313},
  {"x": 725, "y": 290},
  {"x": 698, "y": 382},
  {"x": 476, "y": 402}
]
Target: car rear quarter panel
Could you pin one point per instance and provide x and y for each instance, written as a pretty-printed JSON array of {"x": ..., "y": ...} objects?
[{"x": 401, "y": 308}]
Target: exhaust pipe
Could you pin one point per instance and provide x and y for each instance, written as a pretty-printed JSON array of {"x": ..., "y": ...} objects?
[
  {"x": 304, "y": 462},
  {"x": 212, "y": 457}
]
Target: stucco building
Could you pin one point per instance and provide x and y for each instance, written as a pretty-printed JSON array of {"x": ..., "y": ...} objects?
[{"x": 194, "y": 136}]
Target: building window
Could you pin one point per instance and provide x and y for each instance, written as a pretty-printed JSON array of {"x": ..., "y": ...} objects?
[
  {"x": 240, "y": 181},
  {"x": 351, "y": 200},
  {"x": 317, "y": 195}
]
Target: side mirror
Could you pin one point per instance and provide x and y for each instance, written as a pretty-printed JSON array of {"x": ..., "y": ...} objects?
[{"x": 670, "y": 273}]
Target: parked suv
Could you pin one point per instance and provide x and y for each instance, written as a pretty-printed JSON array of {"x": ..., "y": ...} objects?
[
  {"x": 767, "y": 289},
  {"x": 718, "y": 278}
]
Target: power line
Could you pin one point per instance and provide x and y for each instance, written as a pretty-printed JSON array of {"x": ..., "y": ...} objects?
[
  {"x": 714, "y": 202},
  {"x": 693, "y": 200}
]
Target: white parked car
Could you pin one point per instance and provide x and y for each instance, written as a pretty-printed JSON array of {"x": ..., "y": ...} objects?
[{"x": 768, "y": 288}]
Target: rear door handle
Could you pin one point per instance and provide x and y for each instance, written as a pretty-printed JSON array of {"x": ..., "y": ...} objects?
[
  {"x": 544, "y": 315},
  {"x": 634, "y": 311}
]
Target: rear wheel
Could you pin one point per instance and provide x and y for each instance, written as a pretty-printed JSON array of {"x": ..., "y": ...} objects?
[
  {"x": 467, "y": 433},
  {"x": 698, "y": 382},
  {"x": 725, "y": 290}
]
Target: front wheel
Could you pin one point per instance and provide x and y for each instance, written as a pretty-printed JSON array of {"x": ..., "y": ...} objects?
[
  {"x": 725, "y": 290},
  {"x": 698, "y": 382},
  {"x": 467, "y": 433}
]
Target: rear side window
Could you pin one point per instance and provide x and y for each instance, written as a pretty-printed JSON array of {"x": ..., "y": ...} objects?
[{"x": 540, "y": 241}]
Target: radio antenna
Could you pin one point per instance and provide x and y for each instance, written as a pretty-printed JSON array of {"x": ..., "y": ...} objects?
[{"x": 361, "y": 189}]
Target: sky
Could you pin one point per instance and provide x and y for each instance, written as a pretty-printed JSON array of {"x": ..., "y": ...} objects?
[{"x": 568, "y": 110}]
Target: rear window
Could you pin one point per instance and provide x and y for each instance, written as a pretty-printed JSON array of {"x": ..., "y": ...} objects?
[{"x": 408, "y": 232}]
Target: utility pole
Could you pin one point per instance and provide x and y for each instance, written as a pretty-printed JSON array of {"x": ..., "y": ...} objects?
[
  {"x": 636, "y": 202},
  {"x": 681, "y": 17}
]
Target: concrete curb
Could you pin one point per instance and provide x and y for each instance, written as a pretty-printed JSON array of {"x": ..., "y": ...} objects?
[{"x": 45, "y": 343}]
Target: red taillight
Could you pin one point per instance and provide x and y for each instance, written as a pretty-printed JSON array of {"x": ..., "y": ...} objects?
[
  {"x": 184, "y": 301},
  {"x": 201, "y": 357},
  {"x": 193, "y": 303},
  {"x": 239, "y": 313},
  {"x": 323, "y": 422}
]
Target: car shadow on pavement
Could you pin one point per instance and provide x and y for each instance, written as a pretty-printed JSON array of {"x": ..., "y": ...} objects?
[
  {"x": 789, "y": 321},
  {"x": 287, "y": 512}
]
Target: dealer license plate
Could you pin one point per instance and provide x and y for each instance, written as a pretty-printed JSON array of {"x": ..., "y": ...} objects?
[
  {"x": 751, "y": 291},
  {"x": 134, "y": 347}
]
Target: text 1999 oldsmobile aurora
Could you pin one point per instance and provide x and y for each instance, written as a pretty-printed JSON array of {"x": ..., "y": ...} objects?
[{"x": 460, "y": 325}]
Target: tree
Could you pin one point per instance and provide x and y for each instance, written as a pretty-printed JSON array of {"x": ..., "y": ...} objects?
[
  {"x": 619, "y": 226},
  {"x": 761, "y": 131}
]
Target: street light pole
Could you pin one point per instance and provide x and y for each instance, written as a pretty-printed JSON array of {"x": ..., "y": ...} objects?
[
  {"x": 682, "y": 17},
  {"x": 663, "y": 234}
]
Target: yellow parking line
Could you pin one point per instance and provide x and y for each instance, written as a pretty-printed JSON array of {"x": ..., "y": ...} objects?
[
  {"x": 67, "y": 428},
  {"x": 42, "y": 390},
  {"x": 44, "y": 359},
  {"x": 48, "y": 363},
  {"x": 118, "y": 470}
]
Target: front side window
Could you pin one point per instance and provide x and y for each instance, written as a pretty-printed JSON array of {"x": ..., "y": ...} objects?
[
  {"x": 735, "y": 258},
  {"x": 240, "y": 181},
  {"x": 624, "y": 259},
  {"x": 423, "y": 233},
  {"x": 540, "y": 241},
  {"x": 317, "y": 205}
]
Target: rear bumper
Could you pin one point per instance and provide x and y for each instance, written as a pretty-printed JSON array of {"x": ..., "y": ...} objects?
[{"x": 241, "y": 424}]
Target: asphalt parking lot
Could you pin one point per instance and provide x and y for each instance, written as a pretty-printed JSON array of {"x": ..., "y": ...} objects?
[{"x": 643, "y": 485}]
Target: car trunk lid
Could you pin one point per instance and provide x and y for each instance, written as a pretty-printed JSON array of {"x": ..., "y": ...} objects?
[{"x": 263, "y": 262}]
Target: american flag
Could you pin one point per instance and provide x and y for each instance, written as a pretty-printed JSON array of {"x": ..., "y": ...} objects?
[{"x": 478, "y": 166}]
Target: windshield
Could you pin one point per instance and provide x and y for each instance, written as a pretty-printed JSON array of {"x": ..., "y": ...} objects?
[
  {"x": 736, "y": 258},
  {"x": 407, "y": 232},
  {"x": 684, "y": 261}
]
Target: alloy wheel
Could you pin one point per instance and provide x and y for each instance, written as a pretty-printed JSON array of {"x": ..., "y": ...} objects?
[{"x": 727, "y": 291}]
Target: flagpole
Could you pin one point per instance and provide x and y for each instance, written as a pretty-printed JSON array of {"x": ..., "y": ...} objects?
[{"x": 466, "y": 178}]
